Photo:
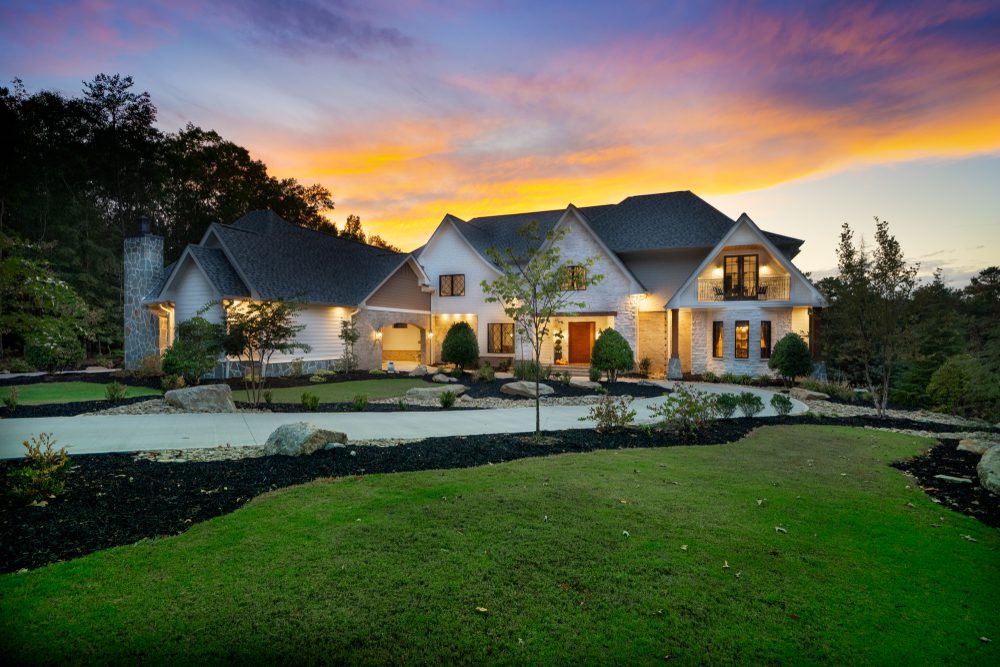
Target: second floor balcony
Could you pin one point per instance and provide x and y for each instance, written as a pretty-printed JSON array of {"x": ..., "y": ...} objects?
[{"x": 766, "y": 288}]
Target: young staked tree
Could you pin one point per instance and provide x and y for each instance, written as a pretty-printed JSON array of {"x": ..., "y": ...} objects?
[
  {"x": 255, "y": 331},
  {"x": 534, "y": 286},
  {"x": 870, "y": 311}
]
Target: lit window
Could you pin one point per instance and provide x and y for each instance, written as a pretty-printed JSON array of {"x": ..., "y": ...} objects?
[
  {"x": 575, "y": 278},
  {"x": 452, "y": 285},
  {"x": 717, "y": 340},
  {"x": 742, "y": 339},
  {"x": 765, "y": 339},
  {"x": 500, "y": 338}
]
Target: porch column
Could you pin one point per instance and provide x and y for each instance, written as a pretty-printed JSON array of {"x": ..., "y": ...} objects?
[{"x": 674, "y": 371}]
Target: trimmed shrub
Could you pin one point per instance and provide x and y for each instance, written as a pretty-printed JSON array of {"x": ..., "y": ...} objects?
[
  {"x": 612, "y": 413},
  {"x": 447, "y": 399},
  {"x": 42, "y": 475},
  {"x": 709, "y": 376},
  {"x": 529, "y": 370},
  {"x": 790, "y": 357},
  {"x": 376, "y": 371},
  {"x": 594, "y": 374},
  {"x": 750, "y": 404},
  {"x": 195, "y": 351},
  {"x": 115, "y": 392},
  {"x": 725, "y": 405},
  {"x": 310, "y": 401},
  {"x": 781, "y": 404},
  {"x": 149, "y": 366},
  {"x": 317, "y": 378},
  {"x": 685, "y": 410},
  {"x": 644, "y": 366},
  {"x": 12, "y": 398},
  {"x": 460, "y": 346},
  {"x": 612, "y": 354},
  {"x": 963, "y": 386},
  {"x": 486, "y": 373},
  {"x": 360, "y": 402},
  {"x": 168, "y": 382},
  {"x": 457, "y": 373}
]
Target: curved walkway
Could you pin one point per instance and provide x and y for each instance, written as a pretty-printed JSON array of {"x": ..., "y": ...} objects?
[{"x": 127, "y": 433}]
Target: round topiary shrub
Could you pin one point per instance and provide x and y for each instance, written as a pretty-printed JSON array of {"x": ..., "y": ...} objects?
[
  {"x": 612, "y": 354},
  {"x": 460, "y": 346},
  {"x": 791, "y": 358}
]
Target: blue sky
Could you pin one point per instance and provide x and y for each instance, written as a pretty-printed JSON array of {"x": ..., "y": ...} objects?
[{"x": 804, "y": 115}]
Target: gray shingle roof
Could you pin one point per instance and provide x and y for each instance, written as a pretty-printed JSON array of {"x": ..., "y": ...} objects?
[
  {"x": 644, "y": 222},
  {"x": 280, "y": 260},
  {"x": 219, "y": 271}
]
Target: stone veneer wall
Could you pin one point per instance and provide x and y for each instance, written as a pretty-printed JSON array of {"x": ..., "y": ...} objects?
[
  {"x": 369, "y": 348},
  {"x": 701, "y": 335},
  {"x": 652, "y": 341},
  {"x": 143, "y": 258}
]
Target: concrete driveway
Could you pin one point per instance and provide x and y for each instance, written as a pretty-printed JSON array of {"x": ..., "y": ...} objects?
[{"x": 128, "y": 433}]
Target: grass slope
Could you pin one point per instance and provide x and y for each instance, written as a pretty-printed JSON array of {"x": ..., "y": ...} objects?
[
  {"x": 342, "y": 392},
  {"x": 69, "y": 392},
  {"x": 392, "y": 568}
]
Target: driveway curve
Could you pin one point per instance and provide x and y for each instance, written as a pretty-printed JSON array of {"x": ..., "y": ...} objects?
[{"x": 128, "y": 433}]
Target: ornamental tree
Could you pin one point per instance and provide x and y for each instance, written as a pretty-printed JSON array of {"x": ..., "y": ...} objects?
[
  {"x": 534, "y": 286},
  {"x": 255, "y": 331}
]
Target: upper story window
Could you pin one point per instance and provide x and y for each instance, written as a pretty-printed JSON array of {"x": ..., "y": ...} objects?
[
  {"x": 452, "y": 285},
  {"x": 740, "y": 276},
  {"x": 576, "y": 278}
]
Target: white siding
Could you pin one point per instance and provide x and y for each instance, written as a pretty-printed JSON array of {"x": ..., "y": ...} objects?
[
  {"x": 190, "y": 292},
  {"x": 322, "y": 334},
  {"x": 448, "y": 253}
]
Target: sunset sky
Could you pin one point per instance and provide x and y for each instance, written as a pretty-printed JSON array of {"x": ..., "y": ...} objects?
[{"x": 804, "y": 115}]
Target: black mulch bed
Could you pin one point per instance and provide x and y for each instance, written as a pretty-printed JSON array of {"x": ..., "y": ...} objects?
[
  {"x": 124, "y": 377},
  {"x": 946, "y": 459},
  {"x": 66, "y": 409},
  {"x": 114, "y": 499}
]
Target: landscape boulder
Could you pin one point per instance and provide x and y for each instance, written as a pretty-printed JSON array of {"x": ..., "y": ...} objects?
[
  {"x": 203, "y": 398},
  {"x": 441, "y": 378},
  {"x": 805, "y": 395},
  {"x": 989, "y": 470},
  {"x": 976, "y": 445},
  {"x": 432, "y": 393},
  {"x": 525, "y": 389},
  {"x": 301, "y": 438},
  {"x": 587, "y": 384},
  {"x": 419, "y": 371}
]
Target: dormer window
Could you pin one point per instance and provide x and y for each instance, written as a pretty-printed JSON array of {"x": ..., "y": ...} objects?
[{"x": 452, "y": 285}]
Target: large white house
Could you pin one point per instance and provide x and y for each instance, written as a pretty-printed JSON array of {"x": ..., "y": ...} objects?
[{"x": 691, "y": 289}]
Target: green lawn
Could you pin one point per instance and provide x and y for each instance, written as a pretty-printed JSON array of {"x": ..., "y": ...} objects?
[
  {"x": 343, "y": 392},
  {"x": 69, "y": 392},
  {"x": 392, "y": 568}
]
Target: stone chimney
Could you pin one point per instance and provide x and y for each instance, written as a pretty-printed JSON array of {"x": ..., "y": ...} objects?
[{"x": 143, "y": 259}]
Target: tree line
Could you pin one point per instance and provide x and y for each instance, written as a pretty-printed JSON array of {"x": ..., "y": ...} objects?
[
  {"x": 907, "y": 342},
  {"x": 79, "y": 170}
]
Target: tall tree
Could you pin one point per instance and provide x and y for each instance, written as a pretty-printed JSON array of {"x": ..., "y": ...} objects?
[
  {"x": 534, "y": 286},
  {"x": 868, "y": 321}
]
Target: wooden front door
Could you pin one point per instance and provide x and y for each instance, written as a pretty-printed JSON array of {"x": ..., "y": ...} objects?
[{"x": 581, "y": 342}]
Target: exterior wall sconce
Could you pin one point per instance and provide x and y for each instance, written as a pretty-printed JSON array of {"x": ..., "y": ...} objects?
[{"x": 378, "y": 335}]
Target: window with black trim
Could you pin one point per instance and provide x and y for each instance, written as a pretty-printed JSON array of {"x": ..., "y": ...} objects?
[
  {"x": 742, "y": 339},
  {"x": 452, "y": 285},
  {"x": 718, "y": 340},
  {"x": 575, "y": 278},
  {"x": 765, "y": 339},
  {"x": 500, "y": 338},
  {"x": 740, "y": 277}
]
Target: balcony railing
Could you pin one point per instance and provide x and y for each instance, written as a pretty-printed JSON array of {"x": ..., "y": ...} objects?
[{"x": 768, "y": 288}]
